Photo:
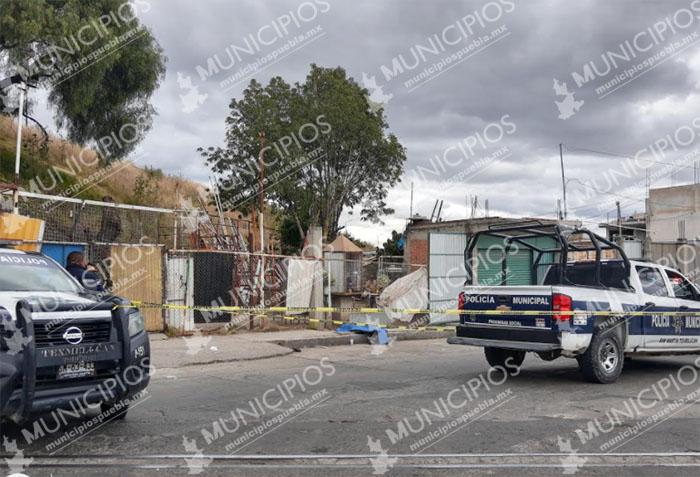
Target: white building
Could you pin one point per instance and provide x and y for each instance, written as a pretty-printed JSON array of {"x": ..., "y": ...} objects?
[{"x": 673, "y": 213}]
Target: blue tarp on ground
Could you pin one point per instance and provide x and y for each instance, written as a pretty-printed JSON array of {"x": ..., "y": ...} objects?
[{"x": 382, "y": 335}]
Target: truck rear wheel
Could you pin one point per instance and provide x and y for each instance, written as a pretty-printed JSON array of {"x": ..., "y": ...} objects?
[
  {"x": 604, "y": 359},
  {"x": 499, "y": 357}
]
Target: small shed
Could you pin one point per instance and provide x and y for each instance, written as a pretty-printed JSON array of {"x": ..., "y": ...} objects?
[{"x": 344, "y": 263}]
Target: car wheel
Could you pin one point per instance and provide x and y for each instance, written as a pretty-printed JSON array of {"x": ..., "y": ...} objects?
[
  {"x": 499, "y": 357},
  {"x": 116, "y": 415},
  {"x": 604, "y": 359}
]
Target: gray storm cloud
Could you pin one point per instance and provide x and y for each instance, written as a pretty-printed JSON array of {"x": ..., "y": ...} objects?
[{"x": 512, "y": 55}]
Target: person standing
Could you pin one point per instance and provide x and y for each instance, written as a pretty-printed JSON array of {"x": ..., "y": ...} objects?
[
  {"x": 111, "y": 223},
  {"x": 84, "y": 272}
]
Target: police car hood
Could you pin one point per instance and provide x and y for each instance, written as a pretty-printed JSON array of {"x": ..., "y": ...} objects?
[{"x": 46, "y": 301}]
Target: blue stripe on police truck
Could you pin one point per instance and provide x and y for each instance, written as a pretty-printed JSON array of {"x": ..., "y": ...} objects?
[
  {"x": 648, "y": 324},
  {"x": 506, "y": 303},
  {"x": 656, "y": 324}
]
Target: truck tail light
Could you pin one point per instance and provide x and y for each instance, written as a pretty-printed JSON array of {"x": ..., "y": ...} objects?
[
  {"x": 460, "y": 301},
  {"x": 561, "y": 302}
]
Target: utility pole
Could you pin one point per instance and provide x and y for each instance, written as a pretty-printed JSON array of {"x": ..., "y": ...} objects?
[
  {"x": 18, "y": 152},
  {"x": 410, "y": 209},
  {"x": 261, "y": 205},
  {"x": 563, "y": 180},
  {"x": 647, "y": 182},
  {"x": 619, "y": 220}
]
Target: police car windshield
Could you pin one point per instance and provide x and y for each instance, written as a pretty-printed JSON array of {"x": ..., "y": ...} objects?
[{"x": 20, "y": 272}]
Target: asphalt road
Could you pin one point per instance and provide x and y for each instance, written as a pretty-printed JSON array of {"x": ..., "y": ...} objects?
[{"x": 418, "y": 408}]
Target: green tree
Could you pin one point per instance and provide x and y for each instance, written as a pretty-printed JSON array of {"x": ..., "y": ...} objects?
[
  {"x": 393, "y": 245},
  {"x": 99, "y": 64},
  {"x": 326, "y": 150},
  {"x": 291, "y": 240}
]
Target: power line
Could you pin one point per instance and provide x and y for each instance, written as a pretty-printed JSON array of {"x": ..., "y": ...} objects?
[
  {"x": 605, "y": 153},
  {"x": 648, "y": 185},
  {"x": 612, "y": 154},
  {"x": 626, "y": 197}
]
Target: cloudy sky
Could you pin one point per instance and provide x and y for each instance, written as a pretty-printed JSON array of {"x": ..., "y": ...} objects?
[{"x": 481, "y": 93}]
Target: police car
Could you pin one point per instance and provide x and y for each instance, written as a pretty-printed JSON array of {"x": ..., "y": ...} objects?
[
  {"x": 597, "y": 311},
  {"x": 62, "y": 346}
]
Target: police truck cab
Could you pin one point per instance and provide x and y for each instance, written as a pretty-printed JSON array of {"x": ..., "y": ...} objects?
[{"x": 588, "y": 301}]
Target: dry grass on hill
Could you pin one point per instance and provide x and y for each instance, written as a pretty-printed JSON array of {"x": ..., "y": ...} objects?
[{"x": 72, "y": 163}]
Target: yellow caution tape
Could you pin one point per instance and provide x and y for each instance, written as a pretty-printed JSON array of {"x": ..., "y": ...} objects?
[{"x": 404, "y": 311}]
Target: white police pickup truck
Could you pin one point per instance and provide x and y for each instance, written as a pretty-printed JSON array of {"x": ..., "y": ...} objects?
[
  {"x": 597, "y": 311},
  {"x": 62, "y": 346}
]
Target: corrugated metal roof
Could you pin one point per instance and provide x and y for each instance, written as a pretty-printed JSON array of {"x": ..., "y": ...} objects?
[{"x": 478, "y": 221}]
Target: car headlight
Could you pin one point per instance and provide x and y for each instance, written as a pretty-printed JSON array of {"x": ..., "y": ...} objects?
[{"x": 136, "y": 324}]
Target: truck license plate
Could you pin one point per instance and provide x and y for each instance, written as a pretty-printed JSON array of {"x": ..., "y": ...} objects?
[{"x": 76, "y": 370}]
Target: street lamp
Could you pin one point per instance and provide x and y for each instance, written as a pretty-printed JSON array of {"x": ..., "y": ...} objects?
[{"x": 5, "y": 83}]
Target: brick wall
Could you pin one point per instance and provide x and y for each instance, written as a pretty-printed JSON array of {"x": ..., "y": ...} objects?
[{"x": 418, "y": 251}]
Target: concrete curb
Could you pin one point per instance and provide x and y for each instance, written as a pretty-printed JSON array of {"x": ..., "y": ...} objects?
[
  {"x": 359, "y": 338},
  {"x": 289, "y": 346}
]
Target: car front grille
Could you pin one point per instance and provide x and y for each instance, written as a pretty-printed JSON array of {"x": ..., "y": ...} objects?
[{"x": 93, "y": 332}]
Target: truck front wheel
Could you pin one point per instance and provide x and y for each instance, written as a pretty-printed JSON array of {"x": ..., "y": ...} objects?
[
  {"x": 504, "y": 358},
  {"x": 603, "y": 360}
]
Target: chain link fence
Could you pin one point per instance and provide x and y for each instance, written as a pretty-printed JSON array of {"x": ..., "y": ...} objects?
[
  {"x": 73, "y": 220},
  {"x": 208, "y": 263}
]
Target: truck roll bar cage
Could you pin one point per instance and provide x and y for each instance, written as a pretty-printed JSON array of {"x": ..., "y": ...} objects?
[{"x": 520, "y": 232}]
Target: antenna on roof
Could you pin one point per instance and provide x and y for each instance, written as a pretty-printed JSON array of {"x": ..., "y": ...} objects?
[
  {"x": 432, "y": 215},
  {"x": 563, "y": 178},
  {"x": 647, "y": 182}
]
